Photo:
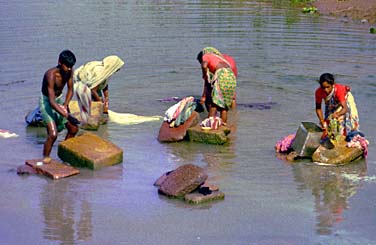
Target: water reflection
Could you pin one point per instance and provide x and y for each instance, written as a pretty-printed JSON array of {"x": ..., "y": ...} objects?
[
  {"x": 67, "y": 214},
  {"x": 331, "y": 190},
  {"x": 66, "y": 205}
]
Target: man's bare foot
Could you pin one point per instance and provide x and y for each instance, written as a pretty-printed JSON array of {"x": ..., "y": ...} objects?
[{"x": 46, "y": 160}]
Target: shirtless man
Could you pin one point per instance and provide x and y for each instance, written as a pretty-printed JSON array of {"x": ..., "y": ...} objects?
[{"x": 54, "y": 111}]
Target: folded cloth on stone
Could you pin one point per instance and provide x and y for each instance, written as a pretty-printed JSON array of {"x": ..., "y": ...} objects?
[
  {"x": 359, "y": 142},
  {"x": 284, "y": 145},
  {"x": 180, "y": 112},
  {"x": 212, "y": 122}
]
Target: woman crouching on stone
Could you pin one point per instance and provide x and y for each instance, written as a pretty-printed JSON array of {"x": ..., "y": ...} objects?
[{"x": 341, "y": 114}]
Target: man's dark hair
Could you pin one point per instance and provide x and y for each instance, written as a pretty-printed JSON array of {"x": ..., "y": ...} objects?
[{"x": 67, "y": 58}]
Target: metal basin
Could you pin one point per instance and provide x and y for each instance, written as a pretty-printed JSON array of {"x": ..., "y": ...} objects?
[{"x": 307, "y": 139}]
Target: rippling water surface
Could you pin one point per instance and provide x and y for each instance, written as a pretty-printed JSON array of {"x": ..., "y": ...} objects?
[{"x": 280, "y": 54}]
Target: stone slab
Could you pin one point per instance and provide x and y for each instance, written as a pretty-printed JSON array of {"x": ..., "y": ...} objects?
[
  {"x": 95, "y": 120},
  {"x": 197, "y": 198},
  {"x": 174, "y": 134},
  {"x": 213, "y": 136},
  {"x": 182, "y": 180},
  {"x": 54, "y": 170},
  {"x": 339, "y": 155},
  {"x": 90, "y": 151}
]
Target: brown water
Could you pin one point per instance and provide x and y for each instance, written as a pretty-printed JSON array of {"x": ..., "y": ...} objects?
[{"x": 280, "y": 54}]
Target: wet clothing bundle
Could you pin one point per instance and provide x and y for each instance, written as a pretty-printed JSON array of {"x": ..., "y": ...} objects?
[
  {"x": 7, "y": 134},
  {"x": 284, "y": 145},
  {"x": 212, "y": 122},
  {"x": 180, "y": 112},
  {"x": 359, "y": 142}
]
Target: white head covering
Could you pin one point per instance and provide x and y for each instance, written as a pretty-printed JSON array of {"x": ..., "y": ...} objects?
[{"x": 95, "y": 73}]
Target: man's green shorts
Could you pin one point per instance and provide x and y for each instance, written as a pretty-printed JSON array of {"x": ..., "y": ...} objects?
[{"x": 49, "y": 114}]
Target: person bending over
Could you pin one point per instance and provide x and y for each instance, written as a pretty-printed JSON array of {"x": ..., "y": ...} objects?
[
  {"x": 219, "y": 84},
  {"x": 54, "y": 111}
]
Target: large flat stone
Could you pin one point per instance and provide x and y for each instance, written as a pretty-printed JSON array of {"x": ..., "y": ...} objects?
[
  {"x": 214, "y": 136},
  {"x": 54, "y": 169},
  {"x": 197, "y": 198},
  {"x": 95, "y": 120},
  {"x": 182, "y": 180},
  {"x": 339, "y": 155},
  {"x": 174, "y": 134},
  {"x": 90, "y": 151}
]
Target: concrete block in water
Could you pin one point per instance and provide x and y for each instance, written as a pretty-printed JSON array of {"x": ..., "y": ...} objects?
[
  {"x": 338, "y": 155},
  {"x": 95, "y": 120},
  {"x": 213, "y": 136},
  {"x": 90, "y": 151}
]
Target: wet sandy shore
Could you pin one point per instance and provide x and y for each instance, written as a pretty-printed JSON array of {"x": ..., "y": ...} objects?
[{"x": 356, "y": 10}]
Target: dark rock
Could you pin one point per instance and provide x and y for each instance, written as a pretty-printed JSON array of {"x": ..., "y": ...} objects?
[
  {"x": 160, "y": 180},
  {"x": 292, "y": 156},
  {"x": 183, "y": 180},
  {"x": 174, "y": 134},
  {"x": 25, "y": 169}
]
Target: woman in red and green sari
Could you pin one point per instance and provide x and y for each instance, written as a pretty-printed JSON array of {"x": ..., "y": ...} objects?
[{"x": 220, "y": 82}]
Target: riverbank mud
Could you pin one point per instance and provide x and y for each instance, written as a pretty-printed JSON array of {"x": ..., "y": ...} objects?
[{"x": 356, "y": 10}]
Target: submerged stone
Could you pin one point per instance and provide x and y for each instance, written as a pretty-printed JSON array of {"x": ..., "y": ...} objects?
[
  {"x": 213, "y": 136},
  {"x": 26, "y": 169},
  {"x": 174, "y": 134},
  {"x": 183, "y": 180},
  {"x": 197, "y": 198},
  {"x": 90, "y": 151},
  {"x": 338, "y": 155},
  {"x": 95, "y": 120},
  {"x": 54, "y": 169}
]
